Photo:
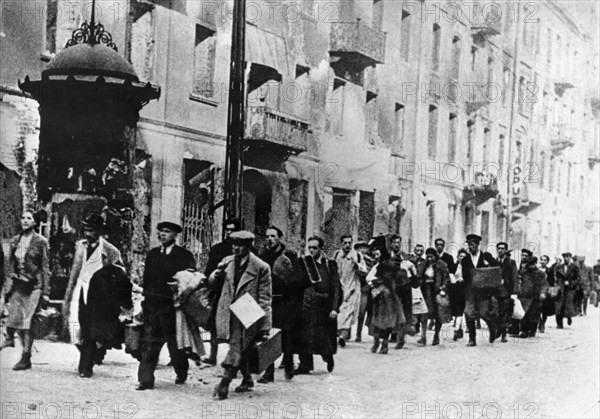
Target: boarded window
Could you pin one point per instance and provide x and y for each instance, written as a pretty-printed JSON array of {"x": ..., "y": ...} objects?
[
  {"x": 432, "y": 133},
  {"x": 470, "y": 131},
  {"x": 501, "y": 146},
  {"x": 405, "y": 35},
  {"x": 435, "y": 50},
  {"x": 399, "y": 125},
  {"x": 366, "y": 215},
  {"x": 485, "y": 227},
  {"x": 455, "y": 56},
  {"x": 371, "y": 118},
  {"x": 487, "y": 138},
  {"x": 452, "y": 127},
  {"x": 204, "y": 61},
  {"x": 338, "y": 219},
  {"x": 298, "y": 211}
]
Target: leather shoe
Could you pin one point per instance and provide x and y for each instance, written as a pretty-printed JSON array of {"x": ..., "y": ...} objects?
[
  {"x": 471, "y": 343},
  {"x": 245, "y": 386},
  {"x": 342, "y": 342},
  {"x": 222, "y": 389},
  {"x": 265, "y": 379},
  {"x": 504, "y": 340},
  {"x": 422, "y": 342},
  {"x": 436, "y": 341},
  {"x": 301, "y": 371},
  {"x": 209, "y": 361},
  {"x": 180, "y": 380},
  {"x": 86, "y": 374},
  {"x": 330, "y": 364},
  {"x": 142, "y": 387},
  {"x": 289, "y": 374}
]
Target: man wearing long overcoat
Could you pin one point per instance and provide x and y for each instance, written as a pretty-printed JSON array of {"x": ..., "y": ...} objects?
[
  {"x": 567, "y": 277},
  {"x": 510, "y": 283},
  {"x": 162, "y": 263},
  {"x": 321, "y": 305},
  {"x": 288, "y": 291},
  {"x": 241, "y": 273}
]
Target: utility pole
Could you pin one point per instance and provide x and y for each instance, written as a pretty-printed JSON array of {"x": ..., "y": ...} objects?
[
  {"x": 236, "y": 114},
  {"x": 515, "y": 95}
]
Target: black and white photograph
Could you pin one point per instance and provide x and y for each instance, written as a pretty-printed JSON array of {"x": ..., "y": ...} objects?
[{"x": 299, "y": 209}]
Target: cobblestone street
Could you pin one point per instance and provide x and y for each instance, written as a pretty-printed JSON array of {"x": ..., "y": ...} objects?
[{"x": 553, "y": 376}]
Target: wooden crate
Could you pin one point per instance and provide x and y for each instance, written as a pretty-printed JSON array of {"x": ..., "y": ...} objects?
[{"x": 263, "y": 354}]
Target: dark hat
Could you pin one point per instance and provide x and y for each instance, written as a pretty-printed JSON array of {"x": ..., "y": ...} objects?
[
  {"x": 502, "y": 244},
  {"x": 378, "y": 241},
  {"x": 473, "y": 238},
  {"x": 431, "y": 251},
  {"x": 567, "y": 255},
  {"x": 360, "y": 243},
  {"x": 241, "y": 237},
  {"x": 533, "y": 260},
  {"x": 527, "y": 252},
  {"x": 93, "y": 221},
  {"x": 169, "y": 225}
]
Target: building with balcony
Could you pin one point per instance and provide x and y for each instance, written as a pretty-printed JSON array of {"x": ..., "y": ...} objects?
[{"x": 363, "y": 117}]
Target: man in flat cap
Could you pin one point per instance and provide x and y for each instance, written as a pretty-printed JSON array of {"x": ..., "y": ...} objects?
[
  {"x": 162, "y": 263},
  {"x": 510, "y": 283},
  {"x": 567, "y": 276},
  {"x": 241, "y": 273},
  {"x": 475, "y": 259},
  {"x": 217, "y": 253}
]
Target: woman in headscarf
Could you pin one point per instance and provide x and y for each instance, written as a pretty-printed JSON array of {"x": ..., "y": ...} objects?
[
  {"x": 456, "y": 294},
  {"x": 29, "y": 273},
  {"x": 432, "y": 279}
]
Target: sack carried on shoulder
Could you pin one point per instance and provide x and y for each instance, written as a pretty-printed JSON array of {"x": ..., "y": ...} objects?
[{"x": 418, "y": 301}]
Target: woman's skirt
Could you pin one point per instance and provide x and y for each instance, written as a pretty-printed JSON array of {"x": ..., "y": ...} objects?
[{"x": 21, "y": 308}]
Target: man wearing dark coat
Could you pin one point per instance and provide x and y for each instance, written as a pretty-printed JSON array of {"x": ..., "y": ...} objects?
[
  {"x": 407, "y": 271},
  {"x": 162, "y": 263},
  {"x": 586, "y": 277},
  {"x": 567, "y": 277},
  {"x": 510, "y": 282},
  {"x": 288, "y": 290},
  {"x": 447, "y": 258},
  {"x": 320, "y": 307},
  {"x": 475, "y": 259},
  {"x": 109, "y": 294},
  {"x": 216, "y": 254}
]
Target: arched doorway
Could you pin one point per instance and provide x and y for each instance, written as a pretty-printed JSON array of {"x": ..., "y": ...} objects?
[{"x": 256, "y": 204}]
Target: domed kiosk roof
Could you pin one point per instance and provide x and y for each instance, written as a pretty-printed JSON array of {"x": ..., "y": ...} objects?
[{"x": 86, "y": 59}]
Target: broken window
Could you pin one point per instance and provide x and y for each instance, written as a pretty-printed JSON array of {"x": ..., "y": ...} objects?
[
  {"x": 405, "y": 35},
  {"x": 399, "y": 125},
  {"x": 298, "y": 213},
  {"x": 204, "y": 62},
  {"x": 435, "y": 53},
  {"x": 371, "y": 118},
  {"x": 455, "y": 56},
  {"x": 432, "y": 133},
  {"x": 366, "y": 215},
  {"x": 452, "y": 126}
]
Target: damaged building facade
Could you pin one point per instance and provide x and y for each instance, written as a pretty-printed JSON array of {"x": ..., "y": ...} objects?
[{"x": 364, "y": 117}]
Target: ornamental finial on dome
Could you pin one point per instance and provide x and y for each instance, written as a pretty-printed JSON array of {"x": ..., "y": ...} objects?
[{"x": 91, "y": 33}]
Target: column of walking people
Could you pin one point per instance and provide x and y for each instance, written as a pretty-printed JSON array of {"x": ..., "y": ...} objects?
[{"x": 315, "y": 300}]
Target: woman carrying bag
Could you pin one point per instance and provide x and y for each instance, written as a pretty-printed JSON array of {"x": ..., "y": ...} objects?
[{"x": 28, "y": 284}]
